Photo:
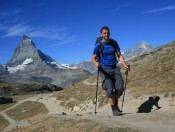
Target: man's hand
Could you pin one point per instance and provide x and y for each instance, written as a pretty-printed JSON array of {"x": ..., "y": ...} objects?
[
  {"x": 128, "y": 67},
  {"x": 94, "y": 61},
  {"x": 97, "y": 64}
]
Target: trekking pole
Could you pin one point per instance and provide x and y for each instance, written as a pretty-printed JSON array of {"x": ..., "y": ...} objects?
[
  {"x": 125, "y": 86},
  {"x": 96, "y": 92}
]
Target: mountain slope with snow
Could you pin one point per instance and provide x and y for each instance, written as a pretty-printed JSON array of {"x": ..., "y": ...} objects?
[
  {"x": 30, "y": 65},
  {"x": 141, "y": 48}
]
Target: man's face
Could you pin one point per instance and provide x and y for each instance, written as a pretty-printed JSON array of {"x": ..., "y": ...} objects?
[{"x": 105, "y": 34}]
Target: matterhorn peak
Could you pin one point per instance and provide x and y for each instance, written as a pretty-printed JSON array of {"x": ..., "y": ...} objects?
[
  {"x": 26, "y": 38},
  {"x": 27, "y": 52},
  {"x": 26, "y": 49},
  {"x": 27, "y": 41}
]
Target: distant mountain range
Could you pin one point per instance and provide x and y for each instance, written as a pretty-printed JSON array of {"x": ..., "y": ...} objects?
[
  {"x": 30, "y": 65},
  {"x": 140, "y": 48}
]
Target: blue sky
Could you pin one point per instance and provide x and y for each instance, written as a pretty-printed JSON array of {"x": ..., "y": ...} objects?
[{"x": 66, "y": 29}]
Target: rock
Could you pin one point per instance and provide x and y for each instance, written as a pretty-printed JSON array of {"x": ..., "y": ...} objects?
[{"x": 4, "y": 100}]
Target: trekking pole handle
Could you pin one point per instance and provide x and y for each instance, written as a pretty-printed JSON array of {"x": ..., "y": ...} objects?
[{"x": 127, "y": 69}]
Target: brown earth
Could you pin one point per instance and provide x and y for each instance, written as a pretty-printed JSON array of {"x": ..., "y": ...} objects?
[{"x": 158, "y": 120}]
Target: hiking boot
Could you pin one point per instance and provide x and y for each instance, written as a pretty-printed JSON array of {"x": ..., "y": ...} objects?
[
  {"x": 116, "y": 111},
  {"x": 118, "y": 108},
  {"x": 116, "y": 103}
]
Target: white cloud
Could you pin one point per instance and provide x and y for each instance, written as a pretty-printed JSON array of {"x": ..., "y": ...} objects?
[
  {"x": 49, "y": 31},
  {"x": 13, "y": 25},
  {"x": 170, "y": 7},
  {"x": 62, "y": 42},
  {"x": 71, "y": 39},
  {"x": 4, "y": 15},
  {"x": 16, "y": 30}
]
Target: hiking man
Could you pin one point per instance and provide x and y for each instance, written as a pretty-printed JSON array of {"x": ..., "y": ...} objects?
[{"x": 104, "y": 58}]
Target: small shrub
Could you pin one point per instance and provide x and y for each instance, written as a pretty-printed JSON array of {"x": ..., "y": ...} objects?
[{"x": 26, "y": 110}]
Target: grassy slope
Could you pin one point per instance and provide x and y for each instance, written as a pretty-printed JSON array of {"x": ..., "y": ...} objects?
[
  {"x": 154, "y": 72},
  {"x": 150, "y": 73}
]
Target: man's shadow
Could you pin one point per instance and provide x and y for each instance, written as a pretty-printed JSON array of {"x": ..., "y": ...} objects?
[{"x": 148, "y": 105}]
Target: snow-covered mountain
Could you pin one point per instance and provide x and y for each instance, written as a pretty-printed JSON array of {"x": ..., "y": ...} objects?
[
  {"x": 86, "y": 65},
  {"x": 30, "y": 65},
  {"x": 141, "y": 48},
  {"x": 26, "y": 53}
]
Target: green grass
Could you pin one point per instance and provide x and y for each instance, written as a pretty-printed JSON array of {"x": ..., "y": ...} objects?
[
  {"x": 5, "y": 106},
  {"x": 26, "y": 110},
  {"x": 50, "y": 124}
]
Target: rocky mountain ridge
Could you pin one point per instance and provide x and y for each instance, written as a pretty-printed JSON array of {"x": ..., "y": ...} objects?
[
  {"x": 30, "y": 65},
  {"x": 3, "y": 70},
  {"x": 141, "y": 48}
]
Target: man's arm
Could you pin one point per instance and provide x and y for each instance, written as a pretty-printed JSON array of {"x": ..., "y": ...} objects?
[
  {"x": 122, "y": 60},
  {"x": 96, "y": 63}
]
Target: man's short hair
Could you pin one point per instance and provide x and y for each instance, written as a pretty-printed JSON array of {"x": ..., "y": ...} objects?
[{"x": 104, "y": 27}]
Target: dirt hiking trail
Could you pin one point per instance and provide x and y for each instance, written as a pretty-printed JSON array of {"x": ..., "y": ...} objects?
[{"x": 158, "y": 120}]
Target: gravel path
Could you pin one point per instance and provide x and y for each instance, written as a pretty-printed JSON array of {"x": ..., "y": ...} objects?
[{"x": 161, "y": 120}]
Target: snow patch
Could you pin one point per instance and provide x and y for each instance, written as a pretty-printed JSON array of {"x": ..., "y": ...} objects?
[
  {"x": 68, "y": 66},
  {"x": 57, "y": 64},
  {"x": 20, "y": 67}
]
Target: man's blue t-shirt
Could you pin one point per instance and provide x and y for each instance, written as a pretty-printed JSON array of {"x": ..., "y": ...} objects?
[{"x": 108, "y": 58}]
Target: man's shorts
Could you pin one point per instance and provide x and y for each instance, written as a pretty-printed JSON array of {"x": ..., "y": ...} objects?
[{"x": 112, "y": 81}]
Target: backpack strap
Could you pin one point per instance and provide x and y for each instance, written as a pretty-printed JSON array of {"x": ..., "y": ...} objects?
[
  {"x": 99, "y": 41},
  {"x": 115, "y": 45}
]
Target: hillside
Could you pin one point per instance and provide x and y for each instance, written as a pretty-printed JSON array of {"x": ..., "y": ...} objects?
[
  {"x": 73, "y": 108},
  {"x": 154, "y": 72},
  {"x": 151, "y": 74}
]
